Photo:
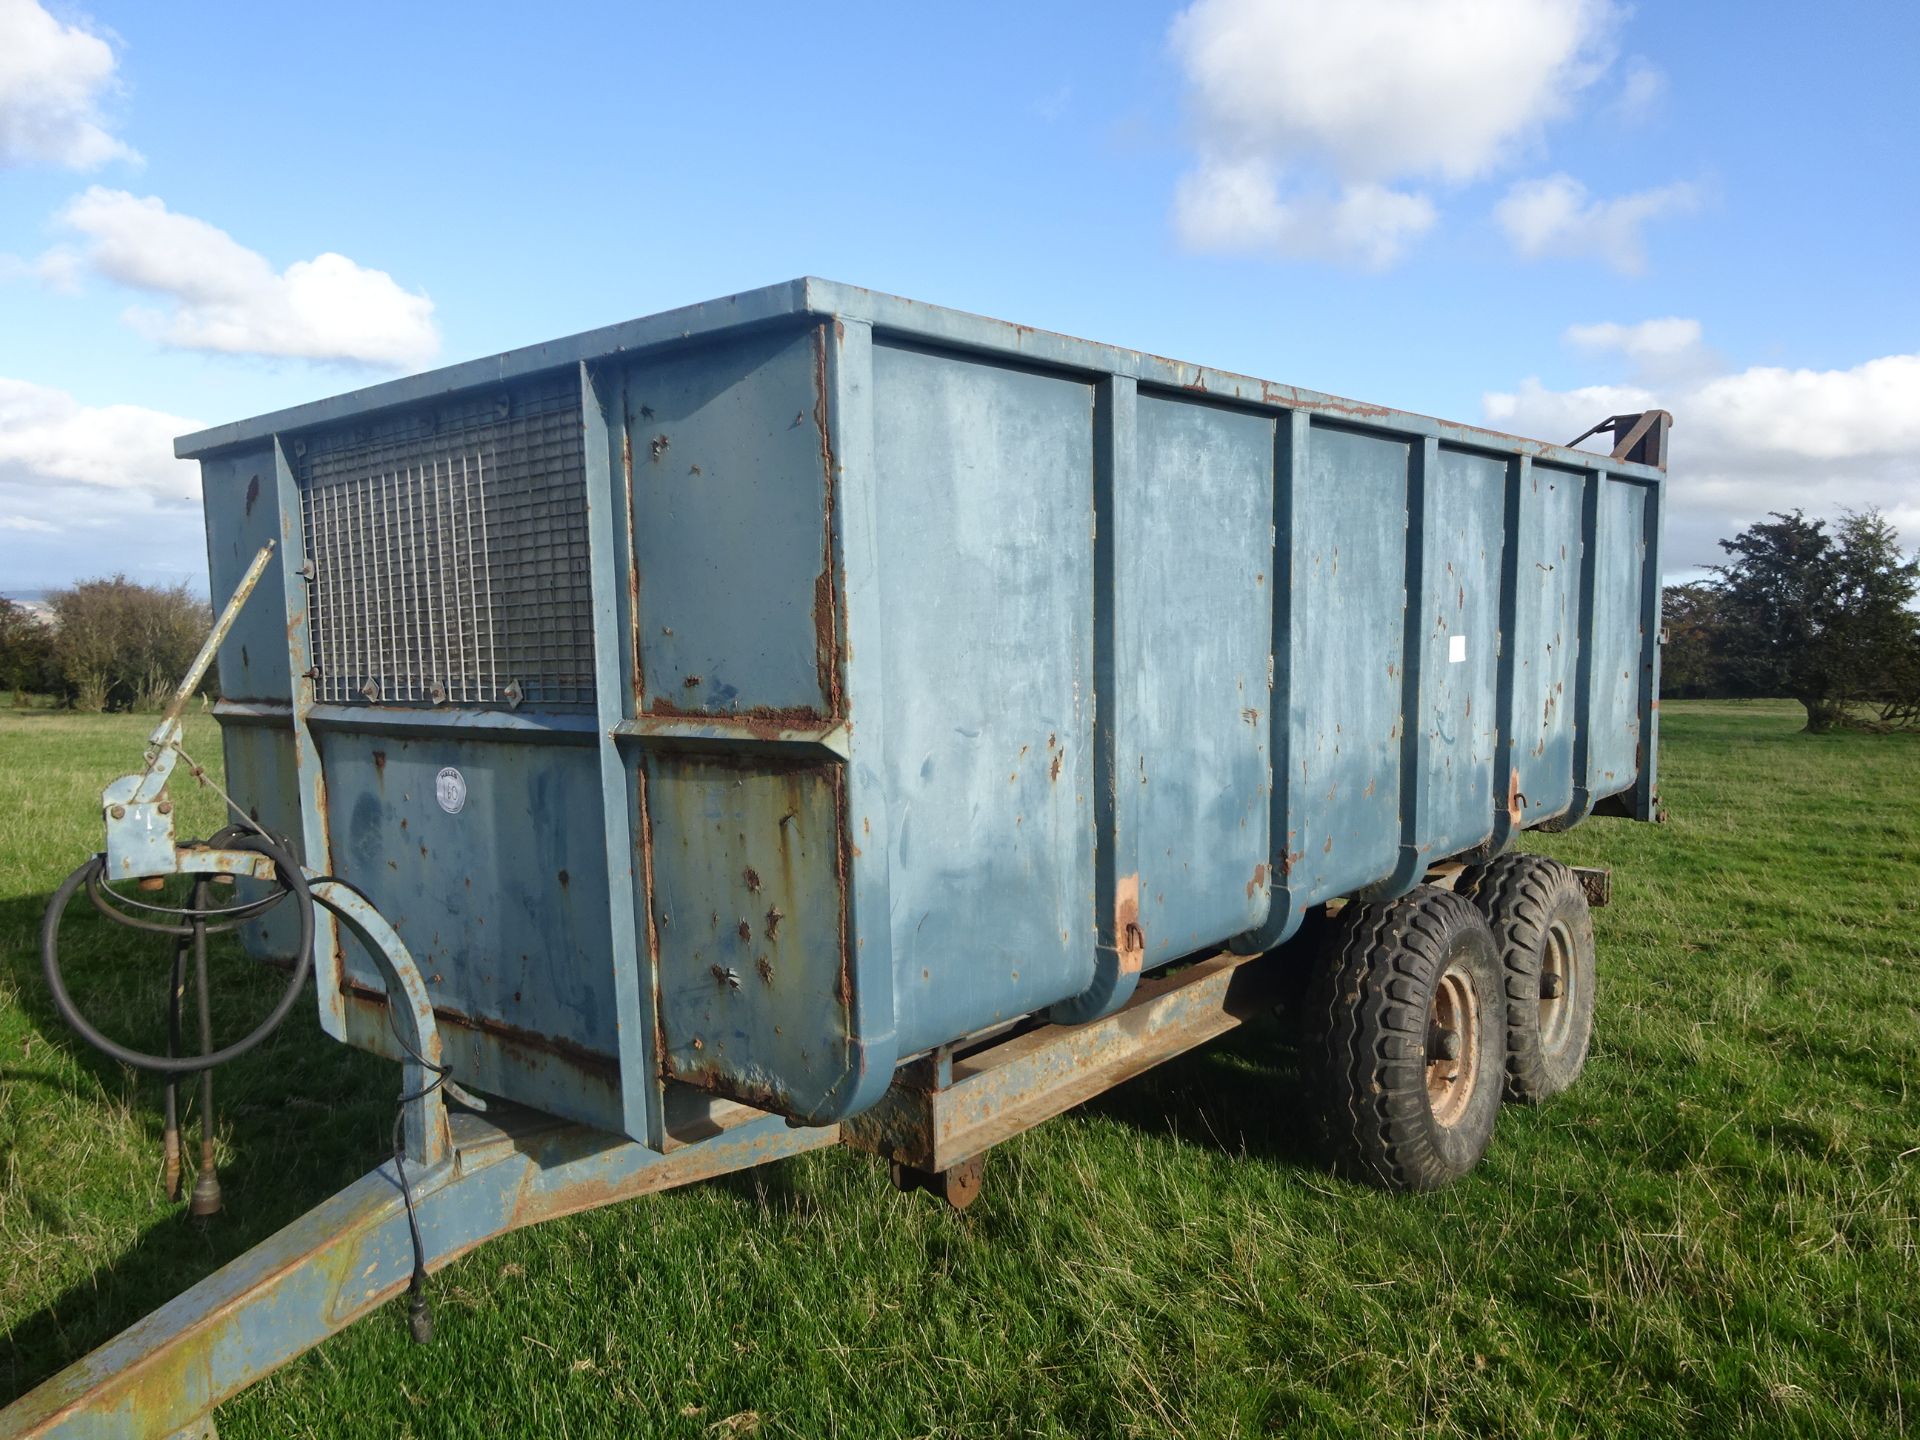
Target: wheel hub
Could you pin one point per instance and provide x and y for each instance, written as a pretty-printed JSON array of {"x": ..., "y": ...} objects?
[
  {"x": 1556, "y": 988},
  {"x": 1453, "y": 1046}
]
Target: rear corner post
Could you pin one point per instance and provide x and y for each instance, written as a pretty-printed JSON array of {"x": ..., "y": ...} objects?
[
  {"x": 1646, "y": 785},
  {"x": 847, "y": 389}
]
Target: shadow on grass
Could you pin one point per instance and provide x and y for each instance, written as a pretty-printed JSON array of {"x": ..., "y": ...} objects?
[
  {"x": 302, "y": 1117},
  {"x": 299, "y": 1118},
  {"x": 1244, "y": 1094}
]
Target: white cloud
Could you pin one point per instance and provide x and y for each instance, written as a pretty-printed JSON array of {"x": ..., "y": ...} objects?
[
  {"x": 52, "y": 77},
  {"x": 1664, "y": 352},
  {"x": 228, "y": 298},
  {"x": 1555, "y": 216},
  {"x": 1641, "y": 91},
  {"x": 87, "y": 489},
  {"x": 49, "y": 439},
  {"x": 1235, "y": 206},
  {"x": 1312, "y": 115},
  {"x": 1648, "y": 340},
  {"x": 1747, "y": 441}
]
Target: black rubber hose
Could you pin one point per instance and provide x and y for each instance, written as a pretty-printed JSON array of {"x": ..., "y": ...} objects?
[
  {"x": 116, "y": 907},
  {"x": 290, "y": 875}
]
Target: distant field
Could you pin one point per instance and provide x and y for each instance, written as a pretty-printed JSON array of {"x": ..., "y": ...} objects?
[{"x": 1717, "y": 1231}]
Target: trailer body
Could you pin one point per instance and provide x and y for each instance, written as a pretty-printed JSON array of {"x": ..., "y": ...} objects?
[{"x": 750, "y": 698}]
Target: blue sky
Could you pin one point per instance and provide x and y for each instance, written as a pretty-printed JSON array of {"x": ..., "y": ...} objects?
[{"x": 1521, "y": 212}]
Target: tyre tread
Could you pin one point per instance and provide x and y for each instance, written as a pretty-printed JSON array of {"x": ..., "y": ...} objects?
[
  {"x": 1372, "y": 1010},
  {"x": 1518, "y": 894}
]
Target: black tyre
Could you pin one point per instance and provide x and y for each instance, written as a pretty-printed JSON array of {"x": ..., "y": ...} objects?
[
  {"x": 1408, "y": 1014},
  {"x": 1544, "y": 930}
]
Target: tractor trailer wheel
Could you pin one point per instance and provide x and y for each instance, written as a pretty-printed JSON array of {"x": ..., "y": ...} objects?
[
  {"x": 1541, "y": 923},
  {"x": 1408, "y": 1018}
]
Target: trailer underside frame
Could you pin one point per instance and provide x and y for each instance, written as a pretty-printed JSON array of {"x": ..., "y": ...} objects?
[{"x": 513, "y": 1167}]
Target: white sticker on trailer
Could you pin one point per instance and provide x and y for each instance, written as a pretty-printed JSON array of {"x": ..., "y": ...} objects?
[
  {"x": 1456, "y": 649},
  {"x": 450, "y": 789}
]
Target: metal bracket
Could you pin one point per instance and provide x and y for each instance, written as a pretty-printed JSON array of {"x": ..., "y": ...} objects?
[
  {"x": 409, "y": 1004},
  {"x": 136, "y": 808},
  {"x": 1639, "y": 438}
]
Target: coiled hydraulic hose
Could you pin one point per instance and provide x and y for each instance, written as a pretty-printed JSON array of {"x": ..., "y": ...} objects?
[{"x": 92, "y": 876}]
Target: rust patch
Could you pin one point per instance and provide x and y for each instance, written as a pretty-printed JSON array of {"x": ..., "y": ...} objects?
[
  {"x": 752, "y": 878},
  {"x": 1053, "y": 770},
  {"x": 565, "y": 879},
  {"x": 763, "y": 722},
  {"x": 842, "y": 873},
  {"x": 745, "y": 932},
  {"x": 253, "y": 494},
  {"x": 692, "y": 682},
  {"x": 826, "y": 646},
  {"x": 1516, "y": 802},
  {"x": 653, "y": 922},
  {"x": 513, "y": 1036},
  {"x": 1128, "y": 936},
  {"x": 774, "y": 916},
  {"x": 1258, "y": 882},
  {"x": 760, "y": 1094},
  {"x": 633, "y": 562}
]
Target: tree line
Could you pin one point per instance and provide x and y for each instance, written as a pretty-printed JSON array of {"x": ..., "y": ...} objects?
[
  {"x": 1823, "y": 616},
  {"x": 111, "y": 644}
]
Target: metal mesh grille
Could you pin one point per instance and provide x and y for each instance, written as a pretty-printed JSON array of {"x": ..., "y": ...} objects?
[{"x": 449, "y": 554}]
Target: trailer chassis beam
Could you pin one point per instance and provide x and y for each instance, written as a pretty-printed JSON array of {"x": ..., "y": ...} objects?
[
  {"x": 351, "y": 1254},
  {"x": 947, "y": 1109}
]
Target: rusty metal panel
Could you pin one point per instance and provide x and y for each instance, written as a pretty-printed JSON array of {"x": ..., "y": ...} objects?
[
  {"x": 1458, "y": 723},
  {"x": 985, "y": 512},
  {"x": 260, "y": 765},
  {"x": 239, "y": 487},
  {"x": 1546, "y": 640},
  {"x": 732, "y": 540},
  {"x": 487, "y": 857},
  {"x": 1618, "y": 637},
  {"x": 1349, "y": 593},
  {"x": 749, "y": 876},
  {"x": 1190, "y": 694}
]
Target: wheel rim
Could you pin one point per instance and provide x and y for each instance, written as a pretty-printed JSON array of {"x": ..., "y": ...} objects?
[
  {"x": 1557, "y": 975},
  {"x": 1451, "y": 1077}
]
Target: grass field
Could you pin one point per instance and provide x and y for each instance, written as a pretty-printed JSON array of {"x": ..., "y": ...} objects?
[{"x": 1717, "y": 1231}]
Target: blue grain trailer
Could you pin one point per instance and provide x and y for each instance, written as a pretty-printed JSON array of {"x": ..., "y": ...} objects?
[{"x": 816, "y": 716}]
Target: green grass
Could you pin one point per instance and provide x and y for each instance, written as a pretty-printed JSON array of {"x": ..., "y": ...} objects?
[{"x": 1717, "y": 1231}]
